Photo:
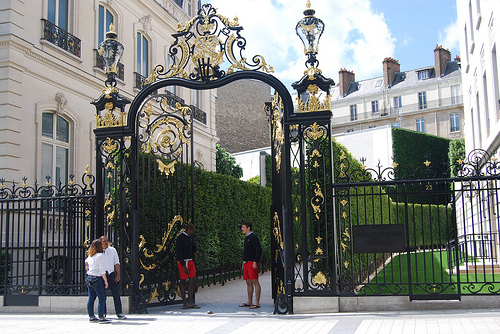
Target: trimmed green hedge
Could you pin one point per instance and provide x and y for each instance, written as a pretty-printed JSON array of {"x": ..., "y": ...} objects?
[
  {"x": 222, "y": 203},
  {"x": 411, "y": 148}
]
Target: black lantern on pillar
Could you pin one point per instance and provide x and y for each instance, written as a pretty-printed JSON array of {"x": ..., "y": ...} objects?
[
  {"x": 313, "y": 89},
  {"x": 111, "y": 103},
  {"x": 310, "y": 29},
  {"x": 111, "y": 51}
]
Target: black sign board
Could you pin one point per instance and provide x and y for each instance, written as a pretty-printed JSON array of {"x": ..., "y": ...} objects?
[{"x": 378, "y": 238}]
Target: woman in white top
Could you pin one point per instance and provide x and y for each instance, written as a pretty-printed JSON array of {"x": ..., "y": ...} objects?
[{"x": 96, "y": 281}]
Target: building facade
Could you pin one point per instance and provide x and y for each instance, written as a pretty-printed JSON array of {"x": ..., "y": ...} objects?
[
  {"x": 50, "y": 71},
  {"x": 427, "y": 99},
  {"x": 479, "y": 35}
]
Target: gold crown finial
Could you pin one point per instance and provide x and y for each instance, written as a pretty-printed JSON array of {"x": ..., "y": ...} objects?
[
  {"x": 112, "y": 27},
  {"x": 308, "y": 4}
]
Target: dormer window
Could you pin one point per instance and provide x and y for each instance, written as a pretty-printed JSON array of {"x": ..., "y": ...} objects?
[{"x": 423, "y": 74}]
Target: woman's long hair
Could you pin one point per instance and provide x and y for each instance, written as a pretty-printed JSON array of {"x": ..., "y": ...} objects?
[{"x": 95, "y": 247}]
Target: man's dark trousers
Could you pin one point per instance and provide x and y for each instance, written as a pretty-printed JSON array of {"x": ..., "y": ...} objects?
[{"x": 113, "y": 286}]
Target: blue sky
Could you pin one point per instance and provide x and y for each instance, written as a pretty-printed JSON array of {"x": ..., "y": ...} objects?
[{"x": 358, "y": 35}]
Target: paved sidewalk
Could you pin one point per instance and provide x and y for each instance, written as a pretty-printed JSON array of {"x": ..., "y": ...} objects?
[{"x": 219, "y": 313}]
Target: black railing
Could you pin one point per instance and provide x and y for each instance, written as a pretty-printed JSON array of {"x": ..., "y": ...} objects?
[
  {"x": 199, "y": 114},
  {"x": 225, "y": 273},
  {"x": 472, "y": 247},
  {"x": 394, "y": 111},
  {"x": 44, "y": 231},
  {"x": 173, "y": 99},
  {"x": 61, "y": 38},
  {"x": 99, "y": 62}
]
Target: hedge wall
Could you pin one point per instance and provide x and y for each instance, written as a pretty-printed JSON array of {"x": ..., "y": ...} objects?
[
  {"x": 222, "y": 203},
  {"x": 413, "y": 148}
]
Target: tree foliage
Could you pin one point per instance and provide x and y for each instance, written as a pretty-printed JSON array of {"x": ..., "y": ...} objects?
[
  {"x": 226, "y": 163},
  {"x": 455, "y": 154}
]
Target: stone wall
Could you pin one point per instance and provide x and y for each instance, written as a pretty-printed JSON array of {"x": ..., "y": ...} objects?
[{"x": 240, "y": 120}]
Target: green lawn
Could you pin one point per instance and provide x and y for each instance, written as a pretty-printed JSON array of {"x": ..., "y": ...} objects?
[{"x": 428, "y": 275}]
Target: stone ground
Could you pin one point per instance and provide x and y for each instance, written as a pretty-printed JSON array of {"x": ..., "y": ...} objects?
[{"x": 219, "y": 313}]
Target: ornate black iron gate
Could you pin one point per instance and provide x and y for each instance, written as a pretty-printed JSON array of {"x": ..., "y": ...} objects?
[{"x": 145, "y": 163}]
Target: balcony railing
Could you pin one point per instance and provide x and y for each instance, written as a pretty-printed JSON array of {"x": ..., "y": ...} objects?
[
  {"x": 99, "y": 62},
  {"x": 199, "y": 115},
  {"x": 394, "y": 111},
  {"x": 61, "y": 38}
]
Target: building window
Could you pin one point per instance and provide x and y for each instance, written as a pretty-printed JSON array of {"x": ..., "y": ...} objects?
[
  {"x": 422, "y": 100},
  {"x": 58, "y": 13},
  {"x": 371, "y": 126},
  {"x": 105, "y": 20},
  {"x": 397, "y": 104},
  {"x": 55, "y": 148},
  {"x": 420, "y": 125},
  {"x": 195, "y": 98},
  {"x": 350, "y": 130},
  {"x": 189, "y": 8},
  {"x": 423, "y": 74},
  {"x": 454, "y": 122},
  {"x": 374, "y": 106},
  {"x": 142, "y": 55},
  {"x": 354, "y": 112},
  {"x": 395, "y": 125},
  {"x": 455, "y": 94}
]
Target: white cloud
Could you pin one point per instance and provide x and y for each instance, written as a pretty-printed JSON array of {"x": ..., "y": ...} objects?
[
  {"x": 449, "y": 38},
  {"x": 355, "y": 36}
]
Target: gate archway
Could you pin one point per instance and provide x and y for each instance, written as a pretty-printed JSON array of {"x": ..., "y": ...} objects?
[{"x": 152, "y": 151}]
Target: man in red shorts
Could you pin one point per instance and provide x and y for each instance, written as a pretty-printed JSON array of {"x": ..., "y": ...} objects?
[
  {"x": 251, "y": 256},
  {"x": 186, "y": 249}
]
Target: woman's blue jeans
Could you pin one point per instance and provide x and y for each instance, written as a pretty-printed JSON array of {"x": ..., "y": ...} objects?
[{"x": 96, "y": 289}]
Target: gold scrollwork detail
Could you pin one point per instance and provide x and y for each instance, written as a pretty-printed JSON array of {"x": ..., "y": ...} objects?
[
  {"x": 314, "y": 103},
  {"x": 317, "y": 200},
  {"x": 168, "y": 169},
  {"x": 281, "y": 288},
  {"x": 166, "y": 234},
  {"x": 316, "y": 153},
  {"x": 206, "y": 47},
  {"x": 319, "y": 278},
  {"x": 153, "y": 295},
  {"x": 278, "y": 135},
  {"x": 346, "y": 234},
  {"x": 277, "y": 231},
  {"x": 141, "y": 280},
  {"x": 110, "y": 208},
  {"x": 171, "y": 136},
  {"x": 319, "y": 251},
  {"x": 148, "y": 268},
  {"x": 314, "y": 132},
  {"x": 109, "y": 145}
]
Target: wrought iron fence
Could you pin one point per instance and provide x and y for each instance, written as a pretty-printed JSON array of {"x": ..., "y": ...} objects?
[
  {"x": 427, "y": 236},
  {"x": 44, "y": 234},
  {"x": 61, "y": 38}
]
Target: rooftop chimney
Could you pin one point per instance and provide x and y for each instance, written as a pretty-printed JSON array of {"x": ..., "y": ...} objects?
[
  {"x": 345, "y": 79},
  {"x": 391, "y": 66},
  {"x": 441, "y": 58}
]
